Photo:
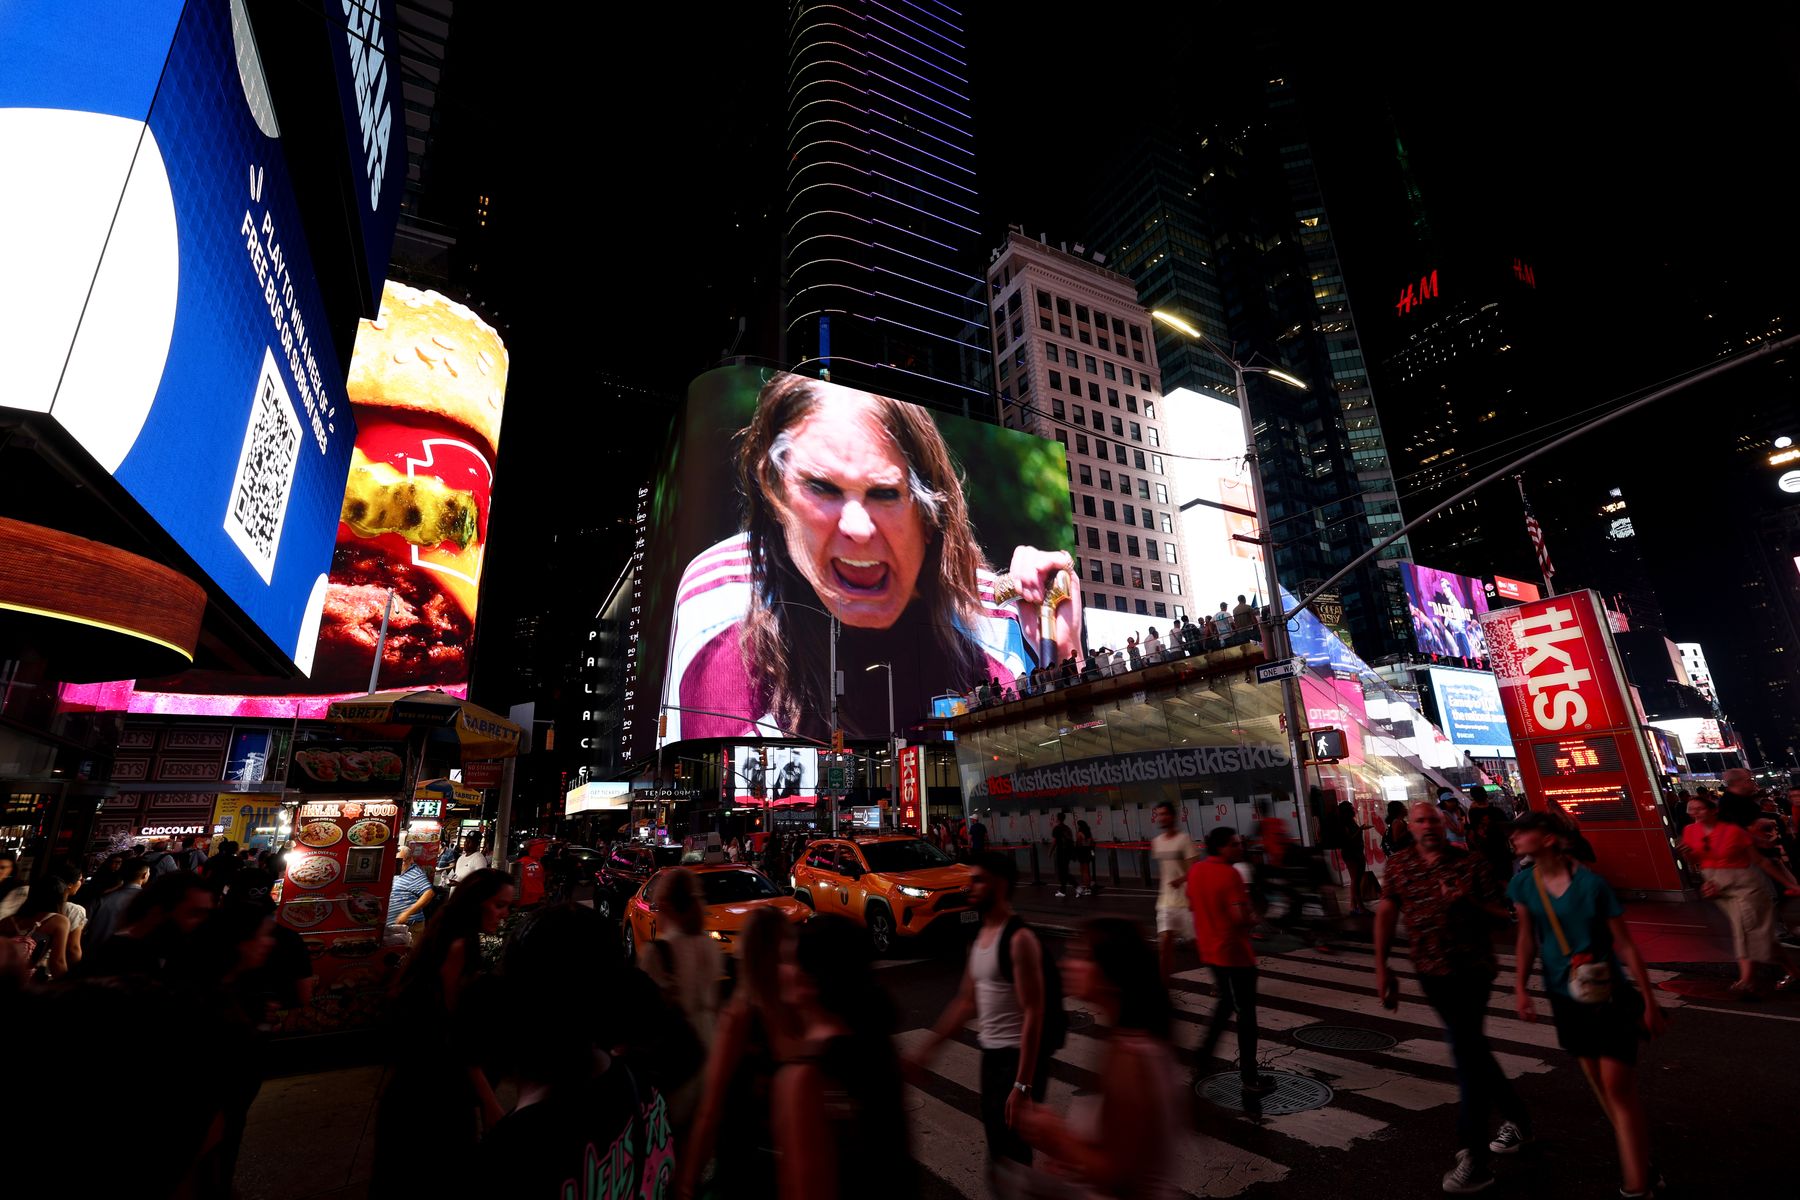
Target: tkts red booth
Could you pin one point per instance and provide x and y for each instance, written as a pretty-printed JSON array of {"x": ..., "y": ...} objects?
[{"x": 1581, "y": 741}]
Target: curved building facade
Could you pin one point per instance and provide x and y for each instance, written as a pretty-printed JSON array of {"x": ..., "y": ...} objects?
[{"x": 881, "y": 231}]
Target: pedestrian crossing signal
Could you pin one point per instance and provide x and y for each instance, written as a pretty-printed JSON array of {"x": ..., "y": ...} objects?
[{"x": 1325, "y": 745}]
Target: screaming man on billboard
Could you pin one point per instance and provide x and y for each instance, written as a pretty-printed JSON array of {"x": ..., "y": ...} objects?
[{"x": 852, "y": 506}]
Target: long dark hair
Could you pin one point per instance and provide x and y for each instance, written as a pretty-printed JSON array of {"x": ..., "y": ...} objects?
[
  {"x": 781, "y": 641},
  {"x": 1125, "y": 960},
  {"x": 459, "y": 918}
]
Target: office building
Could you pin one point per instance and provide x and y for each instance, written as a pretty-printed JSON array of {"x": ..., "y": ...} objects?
[
  {"x": 882, "y": 236},
  {"x": 1224, "y": 223},
  {"x": 1076, "y": 361}
]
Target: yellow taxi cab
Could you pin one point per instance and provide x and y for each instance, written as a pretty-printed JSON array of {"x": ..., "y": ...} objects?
[
  {"x": 896, "y": 886},
  {"x": 729, "y": 893}
]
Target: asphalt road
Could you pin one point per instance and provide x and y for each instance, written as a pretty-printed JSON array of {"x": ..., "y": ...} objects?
[{"x": 1721, "y": 1087}]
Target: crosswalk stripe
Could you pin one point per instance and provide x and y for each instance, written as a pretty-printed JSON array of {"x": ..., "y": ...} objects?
[
  {"x": 942, "y": 1143},
  {"x": 1333, "y": 1127},
  {"x": 1364, "y": 981},
  {"x": 1362, "y": 1002},
  {"x": 1402, "y": 966},
  {"x": 1427, "y": 1051},
  {"x": 1204, "y": 1165}
]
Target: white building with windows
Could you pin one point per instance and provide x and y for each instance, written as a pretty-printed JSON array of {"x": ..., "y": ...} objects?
[{"x": 1075, "y": 360}]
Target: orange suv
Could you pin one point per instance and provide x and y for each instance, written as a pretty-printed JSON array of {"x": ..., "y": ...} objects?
[{"x": 897, "y": 887}]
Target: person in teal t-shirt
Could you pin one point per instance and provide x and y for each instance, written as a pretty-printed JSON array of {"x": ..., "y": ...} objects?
[{"x": 1603, "y": 1036}]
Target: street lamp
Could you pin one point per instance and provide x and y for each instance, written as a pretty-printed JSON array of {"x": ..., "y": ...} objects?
[
  {"x": 893, "y": 740},
  {"x": 1277, "y": 647}
]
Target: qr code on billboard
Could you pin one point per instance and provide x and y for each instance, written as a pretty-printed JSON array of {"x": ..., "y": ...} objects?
[{"x": 265, "y": 472}]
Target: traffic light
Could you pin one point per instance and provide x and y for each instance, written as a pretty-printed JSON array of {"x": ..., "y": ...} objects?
[
  {"x": 837, "y": 741},
  {"x": 662, "y": 725},
  {"x": 762, "y": 757}
]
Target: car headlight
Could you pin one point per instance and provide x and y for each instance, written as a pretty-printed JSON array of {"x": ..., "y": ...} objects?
[
  {"x": 917, "y": 893},
  {"x": 719, "y": 936}
]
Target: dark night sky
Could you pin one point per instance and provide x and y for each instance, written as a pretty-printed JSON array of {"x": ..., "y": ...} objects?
[{"x": 1644, "y": 166}]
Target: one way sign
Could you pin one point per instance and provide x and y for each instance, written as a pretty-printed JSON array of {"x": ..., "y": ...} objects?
[{"x": 1286, "y": 669}]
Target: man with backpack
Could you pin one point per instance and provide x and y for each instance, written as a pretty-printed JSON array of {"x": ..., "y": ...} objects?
[{"x": 1013, "y": 991}]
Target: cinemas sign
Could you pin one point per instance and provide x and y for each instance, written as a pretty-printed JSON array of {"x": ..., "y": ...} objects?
[{"x": 1581, "y": 747}]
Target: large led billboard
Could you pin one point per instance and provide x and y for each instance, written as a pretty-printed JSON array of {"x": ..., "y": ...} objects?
[
  {"x": 779, "y": 776},
  {"x": 785, "y": 501},
  {"x": 1469, "y": 711},
  {"x": 159, "y": 298},
  {"x": 1446, "y": 611},
  {"x": 428, "y": 382},
  {"x": 1218, "y": 504}
]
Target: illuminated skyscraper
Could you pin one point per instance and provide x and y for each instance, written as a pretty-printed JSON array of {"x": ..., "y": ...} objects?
[
  {"x": 1226, "y": 225},
  {"x": 881, "y": 233}
]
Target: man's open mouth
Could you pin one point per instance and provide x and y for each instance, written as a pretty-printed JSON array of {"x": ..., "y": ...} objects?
[{"x": 860, "y": 576}]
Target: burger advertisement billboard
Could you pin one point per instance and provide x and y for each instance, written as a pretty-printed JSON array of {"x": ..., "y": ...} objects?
[
  {"x": 428, "y": 385},
  {"x": 785, "y": 501},
  {"x": 1580, "y": 745},
  {"x": 161, "y": 305}
]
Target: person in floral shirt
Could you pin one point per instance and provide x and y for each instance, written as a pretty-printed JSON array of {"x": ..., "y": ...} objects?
[{"x": 1450, "y": 899}]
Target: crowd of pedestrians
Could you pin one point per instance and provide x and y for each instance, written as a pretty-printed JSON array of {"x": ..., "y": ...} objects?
[{"x": 1184, "y": 638}]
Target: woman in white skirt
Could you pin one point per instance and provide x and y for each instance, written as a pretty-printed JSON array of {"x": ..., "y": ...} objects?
[{"x": 1731, "y": 867}]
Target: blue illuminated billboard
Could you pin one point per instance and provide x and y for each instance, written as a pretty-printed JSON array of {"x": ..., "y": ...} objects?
[
  {"x": 160, "y": 302},
  {"x": 1469, "y": 711}
]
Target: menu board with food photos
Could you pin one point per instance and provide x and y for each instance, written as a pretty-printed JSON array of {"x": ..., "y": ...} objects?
[
  {"x": 334, "y": 894},
  {"x": 334, "y": 766}
]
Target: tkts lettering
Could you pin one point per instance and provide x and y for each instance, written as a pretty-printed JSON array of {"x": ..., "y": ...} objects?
[{"x": 1541, "y": 638}]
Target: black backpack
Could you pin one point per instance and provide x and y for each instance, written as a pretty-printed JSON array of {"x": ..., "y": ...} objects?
[{"x": 1056, "y": 1021}]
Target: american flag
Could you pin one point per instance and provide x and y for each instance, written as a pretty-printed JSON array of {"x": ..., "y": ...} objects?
[{"x": 1536, "y": 533}]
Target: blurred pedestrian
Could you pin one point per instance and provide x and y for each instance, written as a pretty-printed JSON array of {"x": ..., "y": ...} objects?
[
  {"x": 1489, "y": 835},
  {"x": 152, "y": 929},
  {"x": 192, "y": 855},
  {"x": 1451, "y": 901},
  {"x": 34, "y": 923},
  {"x": 1003, "y": 992},
  {"x": 105, "y": 917},
  {"x": 68, "y": 873},
  {"x": 1084, "y": 856},
  {"x": 1062, "y": 853},
  {"x": 1243, "y": 619},
  {"x": 1569, "y": 915},
  {"x": 470, "y": 860},
  {"x": 1397, "y": 836},
  {"x": 1223, "y": 919},
  {"x": 1121, "y": 1140},
  {"x": 437, "y": 1092},
  {"x": 588, "y": 1121},
  {"x": 840, "y": 1128},
  {"x": 686, "y": 967},
  {"x": 1350, "y": 844},
  {"x": 1741, "y": 801},
  {"x": 219, "y": 870},
  {"x": 1728, "y": 862},
  {"x": 9, "y": 862},
  {"x": 977, "y": 836},
  {"x": 1456, "y": 825},
  {"x": 1153, "y": 646},
  {"x": 1172, "y": 852},
  {"x": 756, "y": 1032},
  {"x": 104, "y": 879}
]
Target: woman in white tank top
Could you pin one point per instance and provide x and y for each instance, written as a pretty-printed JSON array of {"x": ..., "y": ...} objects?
[{"x": 1120, "y": 1144}]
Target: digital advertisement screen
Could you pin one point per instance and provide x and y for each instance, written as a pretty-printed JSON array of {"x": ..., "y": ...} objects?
[
  {"x": 791, "y": 776},
  {"x": 1446, "y": 611},
  {"x": 1515, "y": 589},
  {"x": 1470, "y": 712},
  {"x": 428, "y": 380},
  {"x": 159, "y": 300},
  {"x": 1698, "y": 735},
  {"x": 785, "y": 500},
  {"x": 1217, "y": 498}
]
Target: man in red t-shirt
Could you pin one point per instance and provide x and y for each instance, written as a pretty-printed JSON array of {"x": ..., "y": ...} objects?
[{"x": 1223, "y": 919}]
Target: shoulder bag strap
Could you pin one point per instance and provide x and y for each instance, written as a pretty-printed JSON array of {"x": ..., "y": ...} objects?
[{"x": 1550, "y": 911}]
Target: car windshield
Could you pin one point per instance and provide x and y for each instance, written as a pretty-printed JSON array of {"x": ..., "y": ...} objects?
[
  {"x": 913, "y": 854},
  {"x": 734, "y": 887},
  {"x": 667, "y": 856}
]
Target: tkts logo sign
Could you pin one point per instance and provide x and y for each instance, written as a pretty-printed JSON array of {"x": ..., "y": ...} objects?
[{"x": 1555, "y": 667}]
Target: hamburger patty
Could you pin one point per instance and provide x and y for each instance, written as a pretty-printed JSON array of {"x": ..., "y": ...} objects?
[{"x": 428, "y": 634}]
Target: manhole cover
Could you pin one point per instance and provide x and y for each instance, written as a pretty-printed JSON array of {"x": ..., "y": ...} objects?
[
  {"x": 1078, "y": 1018},
  {"x": 1344, "y": 1037},
  {"x": 1293, "y": 1093}
]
